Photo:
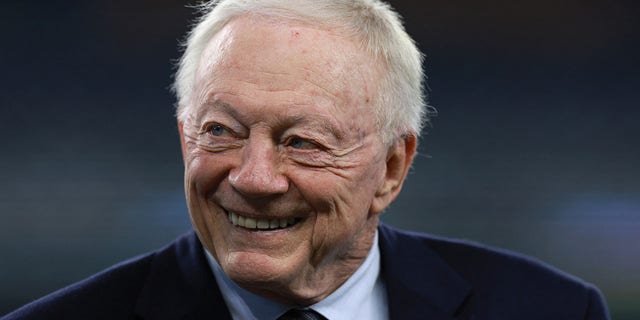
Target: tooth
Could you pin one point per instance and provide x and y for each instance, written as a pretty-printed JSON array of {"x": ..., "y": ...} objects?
[
  {"x": 241, "y": 221},
  {"x": 250, "y": 223},
  {"x": 234, "y": 218},
  {"x": 263, "y": 224}
]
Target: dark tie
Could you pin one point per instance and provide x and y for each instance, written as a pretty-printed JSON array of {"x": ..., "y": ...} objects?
[{"x": 301, "y": 314}]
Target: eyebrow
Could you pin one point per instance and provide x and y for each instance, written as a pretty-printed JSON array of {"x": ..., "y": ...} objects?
[{"x": 215, "y": 105}]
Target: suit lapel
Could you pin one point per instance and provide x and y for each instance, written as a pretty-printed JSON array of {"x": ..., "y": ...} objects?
[
  {"x": 420, "y": 285},
  {"x": 180, "y": 285}
]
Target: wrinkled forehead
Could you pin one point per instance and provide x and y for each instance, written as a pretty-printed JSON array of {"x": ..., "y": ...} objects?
[{"x": 321, "y": 55}]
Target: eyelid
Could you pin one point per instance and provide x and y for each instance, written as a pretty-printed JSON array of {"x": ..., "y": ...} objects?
[
  {"x": 316, "y": 144},
  {"x": 208, "y": 125}
]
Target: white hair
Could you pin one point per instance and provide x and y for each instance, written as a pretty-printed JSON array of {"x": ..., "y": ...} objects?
[{"x": 400, "y": 107}]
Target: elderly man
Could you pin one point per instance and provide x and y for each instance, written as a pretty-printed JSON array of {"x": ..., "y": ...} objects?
[{"x": 298, "y": 122}]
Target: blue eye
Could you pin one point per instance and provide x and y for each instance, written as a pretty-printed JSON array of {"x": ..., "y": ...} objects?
[
  {"x": 217, "y": 130},
  {"x": 299, "y": 143}
]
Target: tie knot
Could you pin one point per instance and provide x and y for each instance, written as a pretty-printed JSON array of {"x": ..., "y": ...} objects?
[{"x": 301, "y": 314}]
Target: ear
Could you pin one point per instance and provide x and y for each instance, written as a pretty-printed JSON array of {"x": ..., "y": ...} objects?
[
  {"x": 183, "y": 145},
  {"x": 399, "y": 159}
]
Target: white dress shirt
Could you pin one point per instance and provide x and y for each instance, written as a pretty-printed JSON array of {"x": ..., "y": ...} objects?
[{"x": 362, "y": 296}]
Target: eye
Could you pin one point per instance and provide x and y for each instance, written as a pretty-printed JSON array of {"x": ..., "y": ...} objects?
[
  {"x": 303, "y": 144},
  {"x": 218, "y": 130}
]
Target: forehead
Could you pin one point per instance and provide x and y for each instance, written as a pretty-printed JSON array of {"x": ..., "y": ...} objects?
[{"x": 282, "y": 55}]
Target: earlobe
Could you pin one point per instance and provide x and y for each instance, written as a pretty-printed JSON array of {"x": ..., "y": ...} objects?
[{"x": 399, "y": 159}]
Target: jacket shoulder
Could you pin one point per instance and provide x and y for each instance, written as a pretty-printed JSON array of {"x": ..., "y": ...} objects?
[
  {"x": 109, "y": 294},
  {"x": 507, "y": 282}
]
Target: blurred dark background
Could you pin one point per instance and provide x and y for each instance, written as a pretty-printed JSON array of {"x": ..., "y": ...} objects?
[{"x": 535, "y": 149}]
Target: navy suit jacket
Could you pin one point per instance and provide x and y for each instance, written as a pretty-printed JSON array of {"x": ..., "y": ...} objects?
[{"x": 426, "y": 278}]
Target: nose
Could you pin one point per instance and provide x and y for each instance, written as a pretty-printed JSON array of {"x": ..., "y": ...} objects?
[{"x": 258, "y": 174}]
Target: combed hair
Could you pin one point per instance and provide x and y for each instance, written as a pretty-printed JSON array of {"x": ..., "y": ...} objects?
[{"x": 400, "y": 105}]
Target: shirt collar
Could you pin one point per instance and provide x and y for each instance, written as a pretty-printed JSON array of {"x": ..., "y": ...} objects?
[{"x": 344, "y": 303}]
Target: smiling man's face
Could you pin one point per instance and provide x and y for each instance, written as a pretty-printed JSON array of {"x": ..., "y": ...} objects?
[{"x": 285, "y": 172}]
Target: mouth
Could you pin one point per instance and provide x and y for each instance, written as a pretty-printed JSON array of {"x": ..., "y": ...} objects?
[{"x": 261, "y": 224}]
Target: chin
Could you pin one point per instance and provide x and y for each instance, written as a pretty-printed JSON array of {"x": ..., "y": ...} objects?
[{"x": 258, "y": 270}]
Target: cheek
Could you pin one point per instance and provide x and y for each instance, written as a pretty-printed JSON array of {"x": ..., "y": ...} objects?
[
  {"x": 341, "y": 199},
  {"x": 203, "y": 175},
  {"x": 345, "y": 190},
  {"x": 204, "y": 172}
]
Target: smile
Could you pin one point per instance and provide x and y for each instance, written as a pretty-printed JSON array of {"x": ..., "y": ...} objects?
[{"x": 260, "y": 224}]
